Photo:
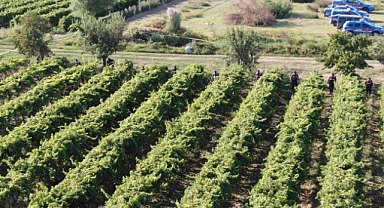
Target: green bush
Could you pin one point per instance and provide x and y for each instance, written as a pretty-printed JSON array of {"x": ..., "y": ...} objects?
[
  {"x": 203, "y": 48},
  {"x": 280, "y": 8},
  {"x": 66, "y": 21},
  {"x": 313, "y": 7},
  {"x": 323, "y": 3},
  {"x": 311, "y": 15},
  {"x": 377, "y": 52}
]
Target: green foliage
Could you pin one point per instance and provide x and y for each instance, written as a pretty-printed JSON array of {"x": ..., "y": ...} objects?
[
  {"x": 213, "y": 184},
  {"x": 311, "y": 15},
  {"x": 92, "y": 7},
  {"x": 66, "y": 21},
  {"x": 174, "y": 20},
  {"x": 279, "y": 185},
  {"x": 52, "y": 158},
  {"x": 243, "y": 46},
  {"x": 7, "y": 68},
  {"x": 346, "y": 52},
  {"x": 103, "y": 36},
  {"x": 29, "y": 37},
  {"x": 166, "y": 160},
  {"x": 280, "y": 8},
  {"x": 377, "y": 52},
  {"x": 342, "y": 178},
  {"x": 54, "y": 87},
  {"x": 27, "y": 77},
  {"x": 102, "y": 164}
]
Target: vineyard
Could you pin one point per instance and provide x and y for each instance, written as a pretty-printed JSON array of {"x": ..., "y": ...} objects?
[
  {"x": 118, "y": 137},
  {"x": 53, "y": 10}
]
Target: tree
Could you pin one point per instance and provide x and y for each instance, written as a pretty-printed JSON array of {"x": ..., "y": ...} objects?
[
  {"x": 30, "y": 36},
  {"x": 92, "y": 7},
  {"x": 347, "y": 52},
  {"x": 378, "y": 50},
  {"x": 102, "y": 36},
  {"x": 243, "y": 47}
]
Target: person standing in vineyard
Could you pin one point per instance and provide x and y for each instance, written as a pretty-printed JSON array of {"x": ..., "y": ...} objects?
[
  {"x": 214, "y": 75},
  {"x": 294, "y": 80},
  {"x": 258, "y": 74},
  {"x": 110, "y": 62},
  {"x": 174, "y": 70},
  {"x": 77, "y": 62},
  {"x": 331, "y": 82},
  {"x": 368, "y": 86}
]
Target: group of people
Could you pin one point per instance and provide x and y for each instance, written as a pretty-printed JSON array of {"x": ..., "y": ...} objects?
[
  {"x": 294, "y": 79},
  {"x": 109, "y": 62},
  {"x": 332, "y": 80}
]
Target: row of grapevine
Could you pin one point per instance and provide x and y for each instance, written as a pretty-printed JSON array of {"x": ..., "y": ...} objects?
[
  {"x": 342, "y": 176},
  {"x": 17, "y": 110},
  {"x": 11, "y": 12},
  {"x": 381, "y": 117},
  {"x": 26, "y": 77},
  {"x": 29, "y": 135},
  {"x": 104, "y": 165},
  {"x": 279, "y": 184},
  {"x": 11, "y": 66},
  {"x": 212, "y": 184},
  {"x": 48, "y": 163},
  {"x": 166, "y": 159}
]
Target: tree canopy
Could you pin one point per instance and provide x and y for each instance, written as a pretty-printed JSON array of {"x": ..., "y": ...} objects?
[
  {"x": 243, "y": 47},
  {"x": 346, "y": 52},
  {"x": 102, "y": 36},
  {"x": 30, "y": 36},
  {"x": 92, "y": 7}
]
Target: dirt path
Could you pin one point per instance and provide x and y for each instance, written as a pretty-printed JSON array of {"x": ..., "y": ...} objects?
[
  {"x": 310, "y": 185},
  {"x": 372, "y": 157},
  {"x": 158, "y": 10}
]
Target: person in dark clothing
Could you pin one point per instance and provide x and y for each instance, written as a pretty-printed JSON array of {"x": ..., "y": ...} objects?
[
  {"x": 331, "y": 82},
  {"x": 294, "y": 80},
  {"x": 215, "y": 74},
  {"x": 258, "y": 74},
  {"x": 77, "y": 62},
  {"x": 174, "y": 70},
  {"x": 368, "y": 86},
  {"x": 110, "y": 62}
]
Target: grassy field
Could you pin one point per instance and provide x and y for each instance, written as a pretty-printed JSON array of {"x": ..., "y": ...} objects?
[{"x": 209, "y": 20}]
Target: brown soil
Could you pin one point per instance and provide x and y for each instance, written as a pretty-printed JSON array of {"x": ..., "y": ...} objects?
[
  {"x": 372, "y": 156},
  {"x": 310, "y": 185}
]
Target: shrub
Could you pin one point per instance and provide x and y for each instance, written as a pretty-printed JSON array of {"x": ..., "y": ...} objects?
[
  {"x": 313, "y": 7},
  {"x": 377, "y": 51},
  {"x": 280, "y": 8},
  {"x": 323, "y": 3},
  {"x": 193, "y": 14},
  {"x": 311, "y": 15},
  {"x": 251, "y": 13},
  {"x": 158, "y": 23},
  {"x": 174, "y": 20},
  {"x": 302, "y": 1},
  {"x": 203, "y": 48},
  {"x": 66, "y": 21}
]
